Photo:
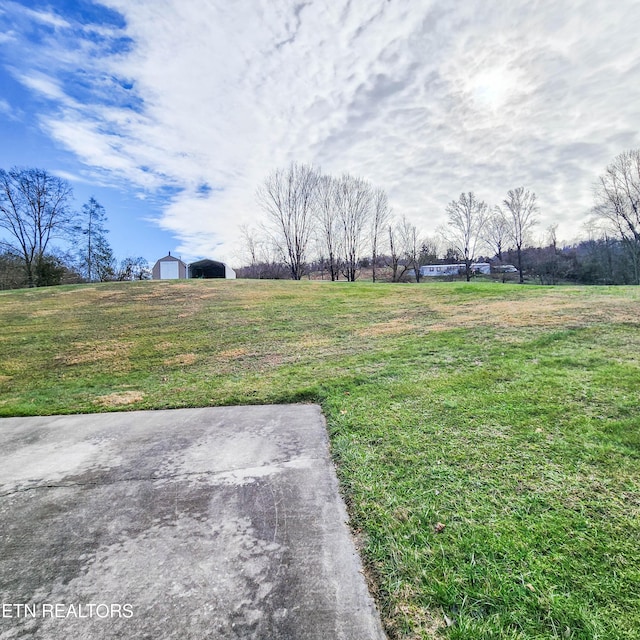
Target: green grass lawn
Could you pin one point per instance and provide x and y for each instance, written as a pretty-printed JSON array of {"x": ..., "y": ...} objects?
[{"x": 487, "y": 436}]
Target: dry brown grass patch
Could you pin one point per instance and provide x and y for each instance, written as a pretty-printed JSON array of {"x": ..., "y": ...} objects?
[
  {"x": 43, "y": 313},
  {"x": 425, "y": 623},
  {"x": 398, "y": 325},
  {"x": 314, "y": 342},
  {"x": 182, "y": 359},
  {"x": 548, "y": 312},
  {"x": 120, "y": 399},
  {"x": 89, "y": 352},
  {"x": 274, "y": 360},
  {"x": 232, "y": 354}
]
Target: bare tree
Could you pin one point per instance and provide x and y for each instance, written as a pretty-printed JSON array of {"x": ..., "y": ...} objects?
[
  {"x": 618, "y": 202},
  {"x": 379, "y": 219},
  {"x": 395, "y": 253},
  {"x": 412, "y": 246},
  {"x": 34, "y": 208},
  {"x": 262, "y": 253},
  {"x": 288, "y": 197},
  {"x": 328, "y": 224},
  {"x": 467, "y": 218},
  {"x": 251, "y": 246},
  {"x": 270, "y": 263},
  {"x": 354, "y": 206},
  {"x": 407, "y": 249},
  {"x": 522, "y": 207},
  {"x": 496, "y": 232}
]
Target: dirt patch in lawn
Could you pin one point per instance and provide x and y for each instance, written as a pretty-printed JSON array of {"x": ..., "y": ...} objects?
[
  {"x": 87, "y": 352},
  {"x": 183, "y": 359},
  {"x": 549, "y": 312},
  {"x": 399, "y": 325},
  {"x": 120, "y": 399}
]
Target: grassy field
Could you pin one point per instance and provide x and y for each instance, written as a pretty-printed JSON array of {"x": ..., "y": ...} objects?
[{"x": 487, "y": 436}]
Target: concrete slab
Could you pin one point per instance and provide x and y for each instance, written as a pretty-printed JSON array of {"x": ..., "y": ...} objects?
[{"x": 220, "y": 523}]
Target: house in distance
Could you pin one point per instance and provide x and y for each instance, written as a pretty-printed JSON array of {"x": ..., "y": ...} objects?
[{"x": 172, "y": 268}]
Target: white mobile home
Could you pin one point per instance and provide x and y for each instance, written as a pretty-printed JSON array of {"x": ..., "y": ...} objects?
[{"x": 434, "y": 270}]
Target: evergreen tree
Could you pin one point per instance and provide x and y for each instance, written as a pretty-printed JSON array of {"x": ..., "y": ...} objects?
[
  {"x": 96, "y": 256},
  {"x": 104, "y": 262}
]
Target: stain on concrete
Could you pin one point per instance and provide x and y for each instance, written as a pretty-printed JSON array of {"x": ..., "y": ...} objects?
[{"x": 217, "y": 523}]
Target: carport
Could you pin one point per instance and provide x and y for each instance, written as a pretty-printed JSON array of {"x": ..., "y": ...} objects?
[{"x": 210, "y": 269}]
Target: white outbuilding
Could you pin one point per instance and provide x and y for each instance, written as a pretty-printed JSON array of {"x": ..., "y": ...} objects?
[{"x": 169, "y": 268}]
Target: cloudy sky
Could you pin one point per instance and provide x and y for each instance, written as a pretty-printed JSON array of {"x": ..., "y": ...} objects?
[{"x": 172, "y": 112}]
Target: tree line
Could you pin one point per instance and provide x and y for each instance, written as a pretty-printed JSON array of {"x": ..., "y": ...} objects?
[
  {"x": 345, "y": 221},
  {"x": 338, "y": 225},
  {"x": 35, "y": 212},
  {"x": 339, "y": 215},
  {"x": 341, "y": 224}
]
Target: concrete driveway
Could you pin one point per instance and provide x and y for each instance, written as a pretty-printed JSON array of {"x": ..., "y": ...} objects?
[{"x": 198, "y": 523}]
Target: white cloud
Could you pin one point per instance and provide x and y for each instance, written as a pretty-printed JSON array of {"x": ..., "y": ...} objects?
[
  {"x": 426, "y": 99},
  {"x": 44, "y": 86},
  {"x": 45, "y": 17},
  {"x": 73, "y": 177}
]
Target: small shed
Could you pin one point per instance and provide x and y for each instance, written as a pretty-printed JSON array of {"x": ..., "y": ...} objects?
[
  {"x": 211, "y": 269},
  {"x": 169, "y": 268}
]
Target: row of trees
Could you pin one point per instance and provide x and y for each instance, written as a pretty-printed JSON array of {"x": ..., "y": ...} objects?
[
  {"x": 472, "y": 224},
  {"x": 346, "y": 223},
  {"x": 618, "y": 204},
  {"x": 61, "y": 267},
  {"x": 599, "y": 260},
  {"x": 616, "y": 214},
  {"x": 35, "y": 211},
  {"x": 343, "y": 217}
]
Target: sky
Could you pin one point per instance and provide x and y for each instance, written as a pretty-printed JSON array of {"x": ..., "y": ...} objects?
[{"x": 173, "y": 112}]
